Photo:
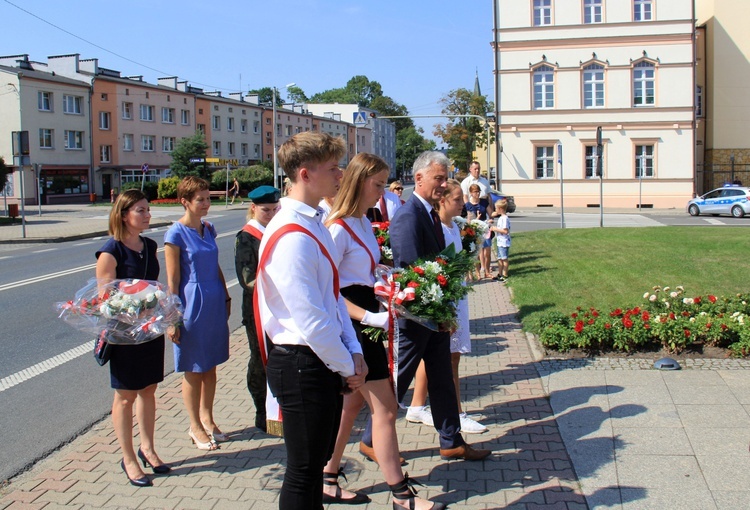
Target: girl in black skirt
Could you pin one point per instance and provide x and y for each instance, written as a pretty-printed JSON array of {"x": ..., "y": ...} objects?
[
  {"x": 365, "y": 179},
  {"x": 135, "y": 370}
]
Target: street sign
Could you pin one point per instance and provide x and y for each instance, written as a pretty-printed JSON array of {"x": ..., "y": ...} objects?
[
  {"x": 359, "y": 119},
  {"x": 144, "y": 168},
  {"x": 212, "y": 160},
  {"x": 197, "y": 160}
]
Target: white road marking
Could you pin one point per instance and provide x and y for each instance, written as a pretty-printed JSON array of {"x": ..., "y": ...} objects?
[
  {"x": 84, "y": 244},
  {"x": 42, "y": 251},
  {"x": 714, "y": 221},
  {"x": 44, "y": 366},
  {"x": 6, "y": 257}
]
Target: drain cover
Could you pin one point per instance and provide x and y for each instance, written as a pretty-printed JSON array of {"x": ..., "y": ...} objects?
[{"x": 667, "y": 364}]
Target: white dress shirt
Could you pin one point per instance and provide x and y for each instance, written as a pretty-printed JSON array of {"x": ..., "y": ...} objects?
[
  {"x": 355, "y": 266},
  {"x": 392, "y": 203},
  {"x": 484, "y": 186},
  {"x": 254, "y": 223},
  {"x": 296, "y": 292}
]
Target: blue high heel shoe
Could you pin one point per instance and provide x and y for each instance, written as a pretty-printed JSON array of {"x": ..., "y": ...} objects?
[
  {"x": 144, "y": 481},
  {"x": 159, "y": 470}
]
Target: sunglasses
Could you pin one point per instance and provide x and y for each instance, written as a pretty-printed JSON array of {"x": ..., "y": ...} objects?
[{"x": 398, "y": 189}]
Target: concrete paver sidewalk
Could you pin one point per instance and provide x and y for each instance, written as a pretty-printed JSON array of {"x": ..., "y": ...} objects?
[{"x": 500, "y": 387}]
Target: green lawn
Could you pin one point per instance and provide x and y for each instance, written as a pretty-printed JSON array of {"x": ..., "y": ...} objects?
[{"x": 608, "y": 268}]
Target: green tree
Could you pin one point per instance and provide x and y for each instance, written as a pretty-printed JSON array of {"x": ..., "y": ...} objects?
[
  {"x": 386, "y": 106},
  {"x": 359, "y": 89},
  {"x": 187, "y": 148},
  {"x": 249, "y": 177},
  {"x": 463, "y": 135},
  {"x": 4, "y": 173},
  {"x": 338, "y": 95},
  {"x": 296, "y": 94},
  {"x": 168, "y": 187},
  {"x": 409, "y": 144}
]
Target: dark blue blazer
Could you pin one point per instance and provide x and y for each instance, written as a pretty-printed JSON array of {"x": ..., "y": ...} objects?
[{"x": 412, "y": 234}]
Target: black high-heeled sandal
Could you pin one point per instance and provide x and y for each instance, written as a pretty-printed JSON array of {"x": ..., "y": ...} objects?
[
  {"x": 405, "y": 490},
  {"x": 332, "y": 479},
  {"x": 159, "y": 470},
  {"x": 143, "y": 481}
]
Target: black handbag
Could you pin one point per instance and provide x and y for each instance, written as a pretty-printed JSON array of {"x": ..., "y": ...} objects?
[{"x": 102, "y": 349}]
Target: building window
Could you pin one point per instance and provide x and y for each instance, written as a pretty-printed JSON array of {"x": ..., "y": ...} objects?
[
  {"x": 593, "y": 86},
  {"x": 256, "y": 126},
  {"x": 132, "y": 175},
  {"x": 217, "y": 148},
  {"x": 545, "y": 159},
  {"x": 644, "y": 161},
  {"x": 230, "y": 149},
  {"x": 243, "y": 150},
  {"x": 104, "y": 97},
  {"x": 147, "y": 112},
  {"x": 167, "y": 115},
  {"x": 542, "y": 13},
  {"x": 243, "y": 125},
  {"x": 230, "y": 123},
  {"x": 147, "y": 143},
  {"x": 201, "y": 128},
  {"x": 74, "y": 140},
  {"x": 590, "y": 161},
  {"x": 46, "y": 137},
  {"x": 105, "y": 153},
  {"x": 643, "y": 10},
  {"x": 643, "y": 84},
  {"x": 288, "y": 130},
  {"x": 185, "y": 117},
  {"x": 278, "y": 129},
  {"x": 544, "y": 88},
  {"x": 256, "y": 150},
  {"x": 592, "y": 11},
  {"x": 217, "y": 123},
  {"x": 127, "y": 142},
  {"x": 72, "y": 104},
  {"x": 167, "y": 143},
  {"x": 45, "y": 101},
  {"x": 104, "y": 118},
  {"x": 698, "y": 101},
  {"x": 127, "y": 111}
]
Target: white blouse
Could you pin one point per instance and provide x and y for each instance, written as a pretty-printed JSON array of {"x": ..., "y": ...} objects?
[{"x": 355, "y": 266}]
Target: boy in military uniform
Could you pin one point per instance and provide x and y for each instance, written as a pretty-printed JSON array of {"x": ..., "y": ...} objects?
[{"x": 264, "y": 203}]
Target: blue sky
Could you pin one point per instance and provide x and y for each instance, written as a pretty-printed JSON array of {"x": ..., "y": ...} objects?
[{"x": 417, "y": 50}]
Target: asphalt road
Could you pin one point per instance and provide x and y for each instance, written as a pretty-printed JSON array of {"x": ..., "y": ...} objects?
[{"x": 56, "y": 401}]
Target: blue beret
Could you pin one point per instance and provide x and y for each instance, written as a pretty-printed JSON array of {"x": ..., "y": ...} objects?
[{"x": 264, "y": 195}]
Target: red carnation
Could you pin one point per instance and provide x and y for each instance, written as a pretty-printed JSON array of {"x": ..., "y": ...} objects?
[
  {"x": 627, "y": 322},
  {"x": 607, "y": 325},
  {"x": 595, "y": 313},
  {"x": 591, "y": 321},
  {"x": 697, "y": 300},
  {"x": 419, "y": 270},
  {"x": 712, "y": 298},
  {"x": 574, "y": 315},
  {"x": 412, "y": 285},
  {"x": 579, "y": 326},
  {"x": 381, "y": 240},
  {"x": 687, "y": 333},
  {"x": 441, "y": 261},
  {"x": 672, "y": 315},
  {"x": 645, "y": 316},
  {"x": 442, "y": 280}
]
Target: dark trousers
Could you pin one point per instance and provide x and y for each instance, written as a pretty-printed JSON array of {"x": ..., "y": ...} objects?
[
  {"x": 418, "y": 343},
  {"x": 309, "y": 396},
  {"x": 256, "y": 376}
]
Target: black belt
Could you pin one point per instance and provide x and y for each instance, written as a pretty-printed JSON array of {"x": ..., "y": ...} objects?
[{"x": 290, "y": 349}]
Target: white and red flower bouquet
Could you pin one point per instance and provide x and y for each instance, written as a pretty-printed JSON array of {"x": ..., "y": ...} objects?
[
  {"x": 473, "y": 232},
  {"x": 380, "y": 229},
  {"x": 427, "y": 291},
  {"x": 127, "y": 311}
]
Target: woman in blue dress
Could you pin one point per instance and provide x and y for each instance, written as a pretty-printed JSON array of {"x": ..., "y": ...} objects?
[
  {"x": 134, "y": 370},
  {"x": 202, "y": 342}
]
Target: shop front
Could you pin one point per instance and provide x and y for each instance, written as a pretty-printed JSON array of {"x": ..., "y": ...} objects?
[{"x": 65, "y": 184}]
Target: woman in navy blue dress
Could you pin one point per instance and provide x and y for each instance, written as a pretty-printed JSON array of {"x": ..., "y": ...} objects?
[
  {"x": 202, "y": 342},
  {"x": 135, "y": 370}
]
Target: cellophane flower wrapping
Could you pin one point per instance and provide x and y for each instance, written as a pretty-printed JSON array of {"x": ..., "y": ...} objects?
[
  {"x": 427, "y": 291},
  {"x": 472, "y": 234},
  {"x": 127, "y": 311},
  {"x": 380, "y": 229}
]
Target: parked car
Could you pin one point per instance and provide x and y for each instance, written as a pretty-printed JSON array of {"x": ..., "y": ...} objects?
[
  {"x": 729, "y": 199},
  {"x": 496, "y": 195}
]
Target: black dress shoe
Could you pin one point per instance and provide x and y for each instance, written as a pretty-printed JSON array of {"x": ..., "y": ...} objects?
[
  {"x": 144, "y": 481},
  {"x": 159, "y": 470}
]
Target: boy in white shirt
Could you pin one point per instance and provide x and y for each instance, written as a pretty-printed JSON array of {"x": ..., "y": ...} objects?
[{"x": 501, "y": 228}]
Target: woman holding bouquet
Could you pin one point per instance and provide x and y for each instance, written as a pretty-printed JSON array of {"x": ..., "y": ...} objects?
[
  {"x": 202, "y": 342},
  {"x": 135, "y": 370},
  {"x": 364, "y": 181}
]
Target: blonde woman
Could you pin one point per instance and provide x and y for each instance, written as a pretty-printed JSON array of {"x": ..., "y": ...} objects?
[{"x": 362, "y": 186}]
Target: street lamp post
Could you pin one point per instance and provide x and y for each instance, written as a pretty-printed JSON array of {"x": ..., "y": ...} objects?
[{"x": 273, "y": 130}]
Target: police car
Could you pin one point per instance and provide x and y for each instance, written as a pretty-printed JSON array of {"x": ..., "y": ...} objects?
[{"x": 730, "y": 199}]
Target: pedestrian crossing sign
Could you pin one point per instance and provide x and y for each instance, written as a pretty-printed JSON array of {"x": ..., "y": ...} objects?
[{"x": 359, "y": 119}]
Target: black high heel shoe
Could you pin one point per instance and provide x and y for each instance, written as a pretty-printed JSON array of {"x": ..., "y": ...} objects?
[
  {"x": 144, "y": 481},
  {"x": 159, "y": 470}
]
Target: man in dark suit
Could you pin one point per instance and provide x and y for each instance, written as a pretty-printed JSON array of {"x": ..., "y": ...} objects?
[{"x": 416, "y": 233}]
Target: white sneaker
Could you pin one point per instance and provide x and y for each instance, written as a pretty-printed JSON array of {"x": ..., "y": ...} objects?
[
  {"x": 470, "y": 426},
  {"x": 420, "y": 414}
]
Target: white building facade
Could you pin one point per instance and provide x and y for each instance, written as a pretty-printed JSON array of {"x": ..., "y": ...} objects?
[{"x": 567, "y": 67}]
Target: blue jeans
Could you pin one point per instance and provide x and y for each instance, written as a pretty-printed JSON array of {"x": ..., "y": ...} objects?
[{"x": 309, "y": 396}]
